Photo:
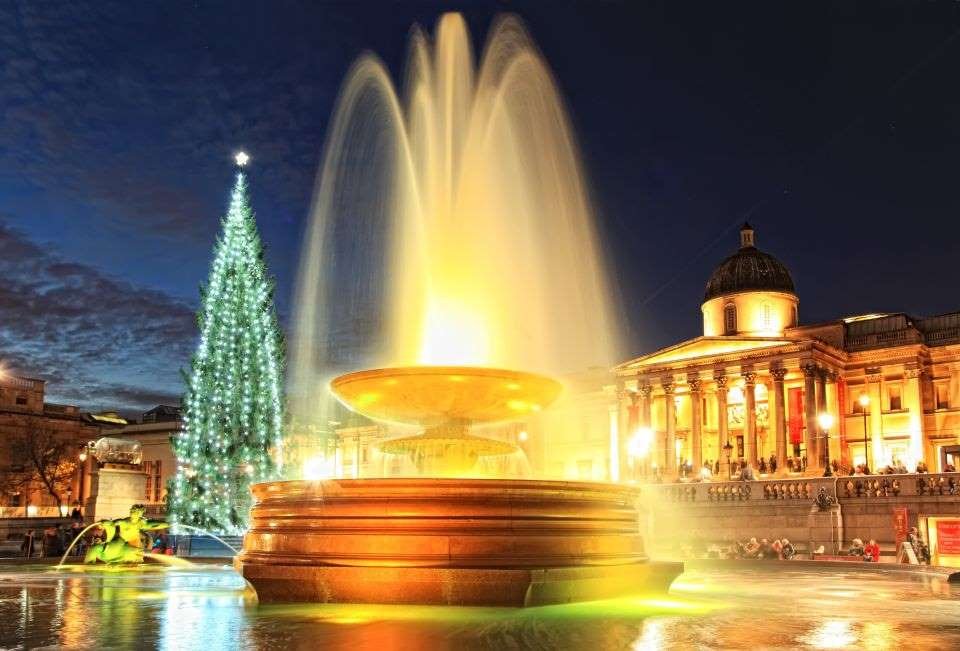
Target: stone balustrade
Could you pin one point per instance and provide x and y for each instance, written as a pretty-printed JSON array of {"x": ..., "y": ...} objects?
[
  {"x": 776, "y": 507},
  {"x": 806, "y": 488}
]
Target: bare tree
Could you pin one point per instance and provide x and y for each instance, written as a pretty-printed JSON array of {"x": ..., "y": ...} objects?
[{"x": 44, "y": 457}]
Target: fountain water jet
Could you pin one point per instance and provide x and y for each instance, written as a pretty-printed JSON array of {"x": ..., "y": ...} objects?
[{"x": 451, "y": 238}]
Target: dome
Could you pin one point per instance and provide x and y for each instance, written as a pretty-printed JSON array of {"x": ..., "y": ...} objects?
[{"x": 749, "y": 269}]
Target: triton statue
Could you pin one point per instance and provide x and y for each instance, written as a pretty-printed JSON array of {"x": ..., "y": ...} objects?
[{"x": 121, "y": 543}]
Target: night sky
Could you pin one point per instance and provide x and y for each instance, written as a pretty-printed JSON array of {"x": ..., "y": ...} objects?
[{"x": 834, "y": 128}]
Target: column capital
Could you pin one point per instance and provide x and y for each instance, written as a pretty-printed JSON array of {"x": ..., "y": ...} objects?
[
  {"x": 644, "y": 390},
  {"x": 778, "y": 374},
  {"x": 913, "y": 371},
  {"x": 667, "y": 384},
  {"x": 809, "y": 369},
  {"x": 694, "y": 382},
  {"x": 720, "y": 379},
  {"x": 749, "y": 376}
]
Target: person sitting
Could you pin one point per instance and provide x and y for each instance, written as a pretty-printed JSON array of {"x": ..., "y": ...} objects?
[
  {"x": 752, "y": 549},
  {"x": 919, "y": 546},
  {"x": 777, "y": 548},
  {"x": 787, "y": 551},
  {"x": 856, "y": 548},
  {"x": 871, "y": 552},
  {"x": 765, "y": 551},
  {"x": 739, "y": 550}
]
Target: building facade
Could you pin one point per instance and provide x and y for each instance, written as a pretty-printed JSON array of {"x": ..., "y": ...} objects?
[
  {"x": 756, "y": 383},
  {"x": 29, "y": 426}
]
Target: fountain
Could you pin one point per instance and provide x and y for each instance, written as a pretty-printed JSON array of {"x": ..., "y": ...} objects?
[{"x": 450, "y": 239}]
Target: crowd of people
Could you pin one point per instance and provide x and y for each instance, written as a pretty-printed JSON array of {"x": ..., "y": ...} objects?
[{"x": 780, "y": 549}]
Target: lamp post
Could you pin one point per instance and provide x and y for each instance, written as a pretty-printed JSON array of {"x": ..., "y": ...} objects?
[
  {"x": 864, "y": 407},
  {"x": 728, "y": 450},
  {"x": 825, "y": 421}
]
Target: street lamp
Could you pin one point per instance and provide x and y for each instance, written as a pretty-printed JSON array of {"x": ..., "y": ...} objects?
[
  {"x": 825, "y": 421},
  {"x": 864, "y": 406},
  {"x": 728, "y": 450}
]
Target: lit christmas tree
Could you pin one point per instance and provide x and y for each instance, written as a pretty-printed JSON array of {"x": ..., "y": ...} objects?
[{"x": 233, "y": 408}]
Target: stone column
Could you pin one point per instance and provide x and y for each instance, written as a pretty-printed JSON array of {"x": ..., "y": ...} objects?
[
  {"x": 670, "y": 410},
  {"x": 874, "y": 389},
  {"x": 750, "y": 417},
  {"x": 810, "y": 413},
  {"x": 722, "y": 435},
  {"x": 832, "y": 406},
  {"x": 821, "y": 379},
  {"x": 696, "y": 421},
  {"x": 780, "y": 418},
  {"x": 646, "y": 421},
  {"x": 913, "y": 401}
]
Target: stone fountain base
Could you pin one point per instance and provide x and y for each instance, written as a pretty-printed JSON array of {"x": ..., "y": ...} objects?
[{"x": 447, "y": 541}]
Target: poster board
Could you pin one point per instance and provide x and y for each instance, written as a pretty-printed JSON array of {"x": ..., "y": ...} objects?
[{"x": 943, "y": 537}]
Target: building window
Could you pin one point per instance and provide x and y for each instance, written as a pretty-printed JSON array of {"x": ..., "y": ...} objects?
[
  {"x": 730, "y": 319},
  {"x": 894, "y": 397},
  {"x": 765, "y": 315},
  {"x": 943, "y": 395},
  {"x": 21, "y": 399},
  {"x": 796, "y": 318},
  {"x": 855, "y": 403}
]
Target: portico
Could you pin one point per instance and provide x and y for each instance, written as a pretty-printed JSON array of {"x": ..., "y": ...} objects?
[{"x": 697, "y": 395}]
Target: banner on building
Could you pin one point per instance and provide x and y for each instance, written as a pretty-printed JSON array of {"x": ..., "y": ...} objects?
[{"x": 900, "y": 524}]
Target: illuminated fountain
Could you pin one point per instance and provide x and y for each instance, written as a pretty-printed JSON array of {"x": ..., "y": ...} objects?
[{"x": 450, "y": 238}]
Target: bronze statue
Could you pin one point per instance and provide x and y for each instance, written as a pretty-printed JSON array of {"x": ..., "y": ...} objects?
[{"x": 121, "y": 543}]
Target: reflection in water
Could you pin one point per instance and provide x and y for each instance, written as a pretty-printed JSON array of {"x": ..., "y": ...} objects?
[{"x": 212, "y": 608}]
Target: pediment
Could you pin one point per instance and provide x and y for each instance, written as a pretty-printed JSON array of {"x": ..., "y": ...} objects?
[{"x": 705, "y": 347}]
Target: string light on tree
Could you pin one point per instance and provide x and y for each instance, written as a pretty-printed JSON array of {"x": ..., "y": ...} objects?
[{"x": 233, "y": 408}]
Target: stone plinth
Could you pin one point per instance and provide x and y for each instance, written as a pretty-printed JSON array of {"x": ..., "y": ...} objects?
[
  {"x": 826, "y": 528},
  {"x": 447, "y": 541},
  {"x": 114, "y": 489}
]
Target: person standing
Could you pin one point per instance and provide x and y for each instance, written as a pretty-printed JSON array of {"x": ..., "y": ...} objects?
[{"x": 27, "y": 546}]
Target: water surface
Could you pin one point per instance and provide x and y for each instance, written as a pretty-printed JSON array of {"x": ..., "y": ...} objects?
[{"x": 211, "y": 608}]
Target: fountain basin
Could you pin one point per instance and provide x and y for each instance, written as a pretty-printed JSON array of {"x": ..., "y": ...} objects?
[{"x": 447, "y": 541}]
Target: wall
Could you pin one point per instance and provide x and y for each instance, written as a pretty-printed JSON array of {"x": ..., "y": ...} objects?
[{"x": 720, "y": 512}]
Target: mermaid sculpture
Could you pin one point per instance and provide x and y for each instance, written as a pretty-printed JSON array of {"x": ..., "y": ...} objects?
[{"x": 121, "y": 543}]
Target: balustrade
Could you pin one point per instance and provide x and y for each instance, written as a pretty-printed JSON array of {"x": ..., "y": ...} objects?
[{"x": 806, "y": 488}]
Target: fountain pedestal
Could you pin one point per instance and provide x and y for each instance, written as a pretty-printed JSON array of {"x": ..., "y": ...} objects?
[{"x": 447, "y": 541}]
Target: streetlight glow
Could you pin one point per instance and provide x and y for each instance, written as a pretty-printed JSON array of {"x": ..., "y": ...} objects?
[
  {"x": 864, "y": 400},
  {"x": 825, "y": 420}
]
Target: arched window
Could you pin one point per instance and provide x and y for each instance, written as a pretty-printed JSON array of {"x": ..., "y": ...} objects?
[
  {"x": 765, "y": 315},
  {"x": 730, "y": 319}
]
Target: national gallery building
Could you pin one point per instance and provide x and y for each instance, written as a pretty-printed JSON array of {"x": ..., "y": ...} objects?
[{"x": 875, "y": 389}]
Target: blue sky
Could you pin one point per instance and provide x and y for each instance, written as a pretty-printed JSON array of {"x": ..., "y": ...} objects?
[{"x": 832, "y": 128}]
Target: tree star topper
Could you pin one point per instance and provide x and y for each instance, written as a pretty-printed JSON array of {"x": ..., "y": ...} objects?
[{"x": 241, "y": 158}]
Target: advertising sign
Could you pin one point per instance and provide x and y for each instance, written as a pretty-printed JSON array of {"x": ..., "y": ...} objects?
[{"x": 948, "y": 536}]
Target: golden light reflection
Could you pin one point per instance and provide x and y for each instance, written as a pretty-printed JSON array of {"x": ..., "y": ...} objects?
[{"x": 830, "y": 634}]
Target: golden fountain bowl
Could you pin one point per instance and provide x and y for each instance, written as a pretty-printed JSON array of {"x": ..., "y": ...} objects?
[{"x": 431, "y": 396}]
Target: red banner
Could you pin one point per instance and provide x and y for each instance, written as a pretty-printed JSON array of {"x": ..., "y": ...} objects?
[
  {"x": 900, "y": 524},
  {"x": 948, "y": 536},
  {"x": 795, "y": 421}
]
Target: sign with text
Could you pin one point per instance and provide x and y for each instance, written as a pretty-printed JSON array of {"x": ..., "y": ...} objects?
[
  {"x": 900, "y": 524},
  {"x": 948, "y": 536}
]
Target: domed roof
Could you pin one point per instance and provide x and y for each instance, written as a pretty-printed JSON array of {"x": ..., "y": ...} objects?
[{"x": 749, "y": 269}]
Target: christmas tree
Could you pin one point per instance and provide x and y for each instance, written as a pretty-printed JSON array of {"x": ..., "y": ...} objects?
[{"x": 233, "y": 408}]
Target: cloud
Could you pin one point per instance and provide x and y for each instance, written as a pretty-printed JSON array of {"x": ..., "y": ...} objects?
[
  {"x": 138, "y": 130},
  {"x": 99, "y": 341}
]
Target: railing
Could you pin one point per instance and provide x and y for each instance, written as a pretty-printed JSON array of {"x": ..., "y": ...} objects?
[{"x": 805, "y": 489}]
